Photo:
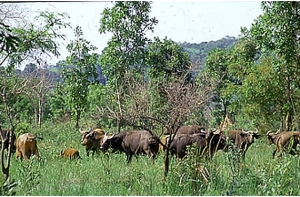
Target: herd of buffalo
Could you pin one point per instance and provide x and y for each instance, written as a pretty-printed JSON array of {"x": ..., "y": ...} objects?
[{"x": 143, "y": 142}]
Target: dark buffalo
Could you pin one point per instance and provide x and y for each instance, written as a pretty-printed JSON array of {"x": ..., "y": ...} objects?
[
  {"x": 190, "y": 129},
  {"x": 242, "y": 139},
  {"x": 208, "y": 142},
  {"x": 91, "y": 139},
  {"x": 5, "y": 140},
  {"x": 180, "y": 142},
  {"x": 216, "y": 140},
  {"x": 133, "y": 142},
  {"x": 283, "y": 141}
]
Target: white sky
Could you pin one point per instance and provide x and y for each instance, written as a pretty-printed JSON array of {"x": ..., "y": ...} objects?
[{"x": 192, "y": 22}]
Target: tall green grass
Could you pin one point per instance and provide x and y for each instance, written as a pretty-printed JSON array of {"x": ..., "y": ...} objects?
[{"x": 106, "y": 175}]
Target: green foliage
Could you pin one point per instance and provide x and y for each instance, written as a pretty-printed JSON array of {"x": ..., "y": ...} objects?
[
  {"x": 36, "y": 41},
  {"x": 8, "y": 41},
  {"x": 9, "y": 187},
  {"x": 128, "y": 22},
  {"x": 15, "y": 105},
  {"x": 22, "y": 127},
  {"x": 78, "y": 72},
  {"x": 29, "y": 174},
  {"x": 276, "y": 33},
  {"x": 166, "y": 59},
  {"x": 57, "y": 102},
  {"x": 125, "y": 54}
]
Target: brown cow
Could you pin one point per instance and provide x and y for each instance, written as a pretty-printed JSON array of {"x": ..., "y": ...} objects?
[
  {"x": 133, "y": 142},
  {"x": 190, "y": 129},
  {"x": 283, "y": 141},
  {"x": 91, "y": 139},
  {"x": 70, "y": 153},
  {"x": 242, "y": 139},
  {"x": 26, "y": 146}
]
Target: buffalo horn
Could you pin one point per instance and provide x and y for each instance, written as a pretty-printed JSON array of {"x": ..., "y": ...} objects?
[
  {"x": 244, "y": 132},
  {"x": 218, "y": 131},
  {"x": 269, "y": 132},
  {"x": 90, "y": 133},
  {"x": 202, "y": 130},
  {"x": 112, "y": 136},
  {"x": 81, "y": 131},
  {"x": 31, "y": 137}
]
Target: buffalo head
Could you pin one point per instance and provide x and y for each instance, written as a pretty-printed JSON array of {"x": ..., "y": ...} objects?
[{"x": 106, "y": 142}]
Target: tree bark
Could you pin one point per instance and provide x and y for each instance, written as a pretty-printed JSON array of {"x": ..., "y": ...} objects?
[
  {"x": 166, "y": 163},
  {"x": 288, "y": 117},
  {"x": 6, "y": 164}
]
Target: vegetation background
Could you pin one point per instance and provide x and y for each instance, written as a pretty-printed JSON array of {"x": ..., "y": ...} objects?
[{"x": 150, "y": 84}]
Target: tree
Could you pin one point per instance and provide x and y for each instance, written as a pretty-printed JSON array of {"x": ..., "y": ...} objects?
[
  {"x": 20, "y": 44},
  {"x": 37, "y": 42},
  {"x": 38, "y": 88},
  {"x": 78, "y": 72},
  {"x": 180, "y": 100},
  {"x": 11, "y": 93},
  {"x": 217, "y": 63},
  {"x": 277, "y": 34},
  {"x": 128, "y": 22},
  {"x": 9, "y": 42},
  {"x": 165, "y": 59}
]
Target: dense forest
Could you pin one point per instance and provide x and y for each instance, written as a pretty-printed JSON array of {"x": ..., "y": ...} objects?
[{"x": 150, "y": 84}]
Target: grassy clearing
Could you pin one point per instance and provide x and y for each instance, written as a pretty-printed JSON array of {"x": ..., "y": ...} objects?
[{"x": 106, "y": 175}]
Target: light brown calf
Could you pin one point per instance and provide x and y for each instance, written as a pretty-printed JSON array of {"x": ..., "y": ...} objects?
[{"x": 70, "y": 153}]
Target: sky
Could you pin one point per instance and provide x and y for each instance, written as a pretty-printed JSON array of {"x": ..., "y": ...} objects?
[{"x": 193, "y": 22}]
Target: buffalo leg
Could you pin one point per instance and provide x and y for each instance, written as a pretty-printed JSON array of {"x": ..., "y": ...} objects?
[
  {"x": 129, "y": 158},
  {"x": 36, "y": 152},
  {"x": 274, "y": 152},
  {"x": 87, "y": 152}
]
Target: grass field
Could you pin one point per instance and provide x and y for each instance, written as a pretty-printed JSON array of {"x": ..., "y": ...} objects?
[{"x": 106, "y": 175}]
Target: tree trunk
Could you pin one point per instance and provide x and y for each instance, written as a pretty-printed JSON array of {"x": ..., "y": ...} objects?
[
  {"x": 5, "y": 165},
  {"x": 118, "y": 124},
  {"x": 40, "y": 112},
  {"x": 288, "y": 117},
  {"x": 166, "y": 162}
]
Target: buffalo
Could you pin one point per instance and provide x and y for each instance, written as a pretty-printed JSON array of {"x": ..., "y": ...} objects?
[
  {"x": 26, "y": 146},
  {"x": 190, "y": 129},
  {"x": 132, "y": 142},
  {"x": 180, "y": 142},
  {"x": 283, "y": 141},
  {"x": 208, "y": 142},
  {"x": 5, "y": 140},
  {"x": 242, "y": 139},
  {"x": 91, "y": 139},
  {"x": 70, "y": 153}
]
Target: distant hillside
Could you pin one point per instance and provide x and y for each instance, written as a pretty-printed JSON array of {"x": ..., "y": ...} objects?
[{"x": 198, "y": 52}]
